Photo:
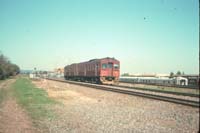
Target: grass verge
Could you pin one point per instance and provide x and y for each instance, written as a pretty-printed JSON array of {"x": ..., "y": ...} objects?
[
  {"x": 2, "y": 95},
  {"x": 34, "y": 100},
  {"x": 170, "y": 89}
]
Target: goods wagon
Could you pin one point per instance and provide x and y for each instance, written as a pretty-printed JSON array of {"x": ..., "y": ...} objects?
[{"x": 102, "y": 71}]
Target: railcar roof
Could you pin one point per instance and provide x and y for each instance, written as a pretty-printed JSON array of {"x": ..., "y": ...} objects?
[
  {"x": 92, "y": 60},
  {"x": 102, "y": 59}
]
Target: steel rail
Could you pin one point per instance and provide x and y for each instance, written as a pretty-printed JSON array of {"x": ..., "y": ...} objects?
[
  {"x": 160, "y": 91},
  {"x": 131, "y": 92},
  {"x": 176, "y": 86}
]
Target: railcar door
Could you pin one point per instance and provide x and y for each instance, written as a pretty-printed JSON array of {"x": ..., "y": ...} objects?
[
  {"x": 96, "y": 69},
  {"x": 110, "y": 69}
]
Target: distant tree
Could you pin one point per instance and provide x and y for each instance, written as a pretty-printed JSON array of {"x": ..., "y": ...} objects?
[
  {"x": 125, "y": 74},
  {"x": 178, "y": 73},
  {"x": 3, "y": 66},
  {"x": 7, "y": 68},
  {"x": 183, "y": 73},
  {"x": 14, "y": 69},
  {"x": 171, "y": 75},
  {"x": 2, "y": 73},
  {"x": 45, "y": 72}
]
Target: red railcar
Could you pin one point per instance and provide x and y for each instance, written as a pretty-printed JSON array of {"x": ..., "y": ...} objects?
[{"x": 105, "y": 71}]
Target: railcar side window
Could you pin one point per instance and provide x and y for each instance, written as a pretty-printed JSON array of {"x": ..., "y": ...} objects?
[
  {"x": 104, "y": 66},
  {"x": 116, "y": 66}
]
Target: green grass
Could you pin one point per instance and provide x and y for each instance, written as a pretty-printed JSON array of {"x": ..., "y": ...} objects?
[
  {"x": 33, "y": 99},
  {"x": 2, "y": 92},
  {"x": 3, "y": 80},
  {"x": 172, "y": 89},
  {"x": 182, "y": 90},
  {"x": 2, "y": 95}
]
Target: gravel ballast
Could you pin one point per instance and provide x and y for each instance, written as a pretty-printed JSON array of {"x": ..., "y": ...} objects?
[{"x": 86, "y": 109}]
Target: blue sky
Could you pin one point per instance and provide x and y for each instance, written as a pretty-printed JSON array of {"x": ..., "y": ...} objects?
[{"x": 147, "y": 36}]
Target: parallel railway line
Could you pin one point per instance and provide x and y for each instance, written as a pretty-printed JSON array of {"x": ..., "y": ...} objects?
[
  {"x": 131, "y": 91},
  {"x": 160, "y": 91},
  {"x": 176, "y": 86}
]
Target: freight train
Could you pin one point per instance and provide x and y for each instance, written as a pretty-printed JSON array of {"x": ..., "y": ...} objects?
[{"x": 101, "y": 71}]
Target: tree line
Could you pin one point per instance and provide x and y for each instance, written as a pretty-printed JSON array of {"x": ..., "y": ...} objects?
[
  {"x": 178, "y": 73},
  {"x": 7, "y": 68}
]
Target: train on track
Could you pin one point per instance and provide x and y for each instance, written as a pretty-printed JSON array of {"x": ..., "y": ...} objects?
[
  {"x": 180, "y": 81},
  {"x": 101, "y": 71}
]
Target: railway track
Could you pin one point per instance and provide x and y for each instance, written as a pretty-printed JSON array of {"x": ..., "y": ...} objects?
[
  {"x": 123, "y": 90},
  {"x": 176, "y": 86},
  {"x": 160, "y": 91}
]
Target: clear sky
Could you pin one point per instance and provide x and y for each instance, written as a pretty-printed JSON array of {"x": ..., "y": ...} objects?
[{"x": 147, "y": 36}]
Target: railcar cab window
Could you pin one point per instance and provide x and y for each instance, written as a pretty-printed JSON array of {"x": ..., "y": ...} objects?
[
  {"x": 104, "y": 66},
  {"x": 110, "y": 65},
  {"x": 116, "y": 66}
]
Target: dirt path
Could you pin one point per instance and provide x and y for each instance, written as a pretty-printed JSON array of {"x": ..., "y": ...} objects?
[{"x": 13, "y": 119}]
